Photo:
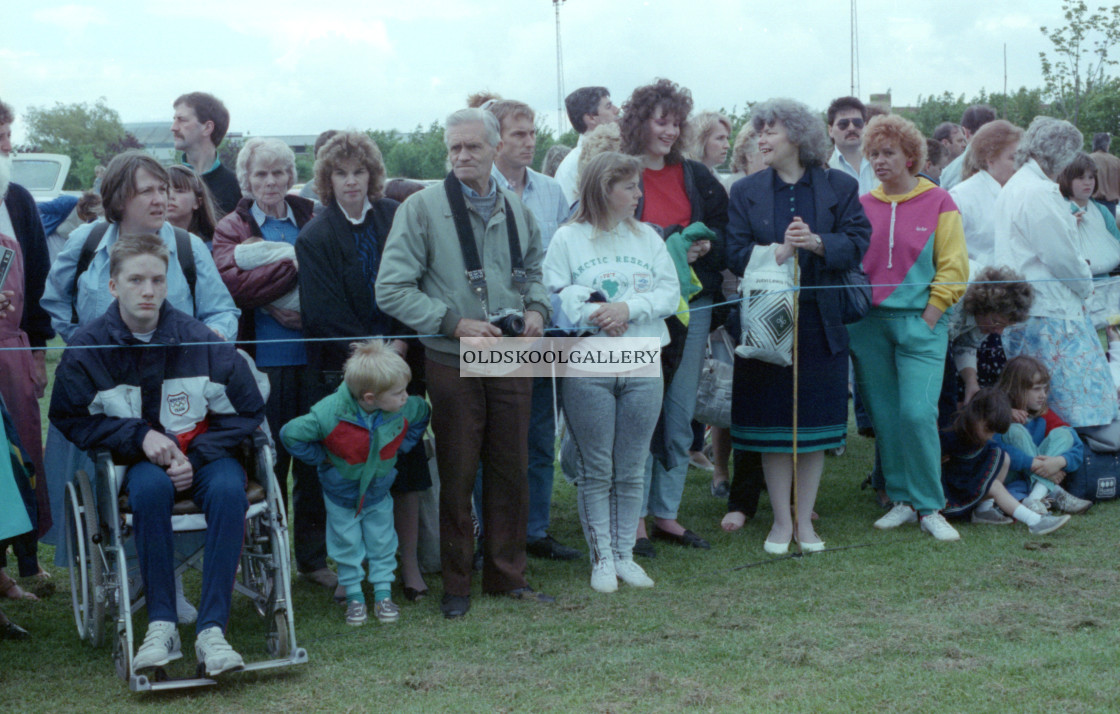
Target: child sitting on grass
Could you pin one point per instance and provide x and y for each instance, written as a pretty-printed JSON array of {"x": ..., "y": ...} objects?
[
  {"x": 354, "y": 436},
  {"x": 1041, "y": 445},
  {"x": 973, "y": 468}
]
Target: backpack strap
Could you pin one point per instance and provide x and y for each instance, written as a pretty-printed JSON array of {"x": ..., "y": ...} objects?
[
  {"x": 186, "y": 262},
  {"x": 84, "y": 259},
  {"x": 182, "y": 248}
]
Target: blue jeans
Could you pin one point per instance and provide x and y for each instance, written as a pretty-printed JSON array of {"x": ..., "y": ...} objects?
[
  {"x": 219, "y": 490},
  {"x": 542, "y": 458},
  {"x": 664, "y": 486},
  {"x": 610, "y": 427}
]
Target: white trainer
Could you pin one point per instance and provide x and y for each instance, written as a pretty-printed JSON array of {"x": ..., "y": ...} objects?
[
  {"x": 214, "y": 652},
  {"x": 1048, "y": 524},
  {"x": 900, "y": 513},
  {"x": 991, "y": 517},
  {"x": 603, "y": 579},
  {"x": 1066, "y": 502},
  {"x": 632, "y": 574},
  {"x": 161, "y": 645},
  {"x": 936, "y": 525}
]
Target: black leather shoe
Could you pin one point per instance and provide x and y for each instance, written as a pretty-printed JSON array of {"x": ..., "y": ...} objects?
[
  {"x": 551, "y": 549},
  {"x": 454, "y": 606},
  {"x": 687, "y": 539},
  {"x": 412, "y": 594},
  {"x": 11, "y": 631},
  {"x": 643, "y": 548},
  {"x": 530, "y": 595}
]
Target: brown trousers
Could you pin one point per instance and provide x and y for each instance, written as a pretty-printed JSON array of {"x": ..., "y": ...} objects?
[{"x": 481, "y": 420}]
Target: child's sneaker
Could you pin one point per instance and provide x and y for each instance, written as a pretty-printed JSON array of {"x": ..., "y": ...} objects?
[
  {"x": 1036, "y": 505},
  {"x": 632, "y": 574},
  {"x": 1048, "y": 524},
  {"x": 603, "y": 578},
  {"x": 899, "y": 514},
  {"x": 386, "y": 611},
  {"x": 1066, "y": 502},
  {"x": 215, "y": 654},
  {"x": 356, "y": 613},
  {"x": 936, "y": 525},
  {"x": 991, "y": 517},
  {"x": 161, "y": 645}
]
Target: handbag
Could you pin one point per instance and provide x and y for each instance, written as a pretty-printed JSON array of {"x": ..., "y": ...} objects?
[
  {"x": 767, "y": 308},
  {"x": 1096, "y": 479},
  {"x": 854, "y": 294},
  {"x": 713, "y": 393}
]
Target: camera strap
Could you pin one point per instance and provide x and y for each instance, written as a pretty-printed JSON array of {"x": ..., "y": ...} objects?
[{"x": 476, "y": 275}]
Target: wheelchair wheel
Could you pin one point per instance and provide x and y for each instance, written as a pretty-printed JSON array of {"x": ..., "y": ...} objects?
[
  {"x": 276, "y": 641},
  {"x": 121, "y": 655},
  {"x": 87, "y": 574}
]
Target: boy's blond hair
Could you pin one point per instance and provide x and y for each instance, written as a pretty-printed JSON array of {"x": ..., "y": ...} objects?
[{"x": 374, "y": 367}]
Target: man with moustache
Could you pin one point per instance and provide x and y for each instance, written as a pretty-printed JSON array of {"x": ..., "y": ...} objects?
[
  {"x": 466, "y": 221},
  {"x": 846, "y": 118},
  {"x": 198, "y": 127}
]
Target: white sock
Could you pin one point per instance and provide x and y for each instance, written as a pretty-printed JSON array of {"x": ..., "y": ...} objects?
[
  {"x": 986, "y": 505},
  {"x": 1038, "y": 491},
  {"x": 1025, "y": 515}
]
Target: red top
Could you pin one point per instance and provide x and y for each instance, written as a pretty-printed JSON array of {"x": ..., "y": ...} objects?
[{"x": 666, "y": 203}]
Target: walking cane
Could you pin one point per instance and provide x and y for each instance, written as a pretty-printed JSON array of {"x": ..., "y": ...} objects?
[{"x": 796, "y": 317}]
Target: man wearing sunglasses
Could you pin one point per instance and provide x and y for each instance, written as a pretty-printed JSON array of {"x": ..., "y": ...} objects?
[{"x": 846, "y": 119}]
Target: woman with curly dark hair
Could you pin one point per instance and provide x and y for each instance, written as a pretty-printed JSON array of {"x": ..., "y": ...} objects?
[
  {"x": 339, "y": 253},
  {"x": 677, "y": 195}
]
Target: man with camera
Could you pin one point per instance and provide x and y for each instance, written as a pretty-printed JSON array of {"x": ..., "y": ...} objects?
[{"x": 463, "y": 257}]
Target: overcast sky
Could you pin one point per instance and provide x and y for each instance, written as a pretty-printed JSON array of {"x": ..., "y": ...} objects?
[{"x": 300, "y": 67}]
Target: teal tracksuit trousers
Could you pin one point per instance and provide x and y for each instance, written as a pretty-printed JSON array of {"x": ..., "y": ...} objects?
[{"x": 899, "y": 365}]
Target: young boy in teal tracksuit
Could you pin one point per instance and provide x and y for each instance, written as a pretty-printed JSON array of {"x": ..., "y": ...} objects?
[{"x": 354, "y": 436}]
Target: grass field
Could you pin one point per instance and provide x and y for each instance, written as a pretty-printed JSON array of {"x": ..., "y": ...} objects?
[{"x": 1001, "y": 621}]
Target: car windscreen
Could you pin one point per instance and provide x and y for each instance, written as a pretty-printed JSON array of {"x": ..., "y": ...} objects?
[{"x": 35, "y": 174}]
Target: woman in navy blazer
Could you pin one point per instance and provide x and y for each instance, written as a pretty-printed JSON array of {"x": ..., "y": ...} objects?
[{"x": 814, "y": 215}]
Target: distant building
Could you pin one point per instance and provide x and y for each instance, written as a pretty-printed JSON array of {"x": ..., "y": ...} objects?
[{"x": 155, "y": 136}]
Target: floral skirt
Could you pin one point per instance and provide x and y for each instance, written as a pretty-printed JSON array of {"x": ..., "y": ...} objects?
[{"x": 1081, "y": 388}]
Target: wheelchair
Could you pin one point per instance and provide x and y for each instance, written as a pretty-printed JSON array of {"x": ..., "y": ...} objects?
[{"x": 104, "y": 577}]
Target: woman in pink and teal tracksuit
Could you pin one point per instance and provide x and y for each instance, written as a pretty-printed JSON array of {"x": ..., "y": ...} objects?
[{"x": 918, "y": 267}]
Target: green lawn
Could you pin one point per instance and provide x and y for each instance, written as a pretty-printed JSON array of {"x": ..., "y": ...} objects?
[{"x": 1000, "y": 621}]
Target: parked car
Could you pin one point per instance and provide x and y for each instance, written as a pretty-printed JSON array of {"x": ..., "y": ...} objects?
[{"x": 42, "y": 174}]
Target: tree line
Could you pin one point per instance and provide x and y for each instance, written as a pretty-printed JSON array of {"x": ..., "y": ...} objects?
[{"x": 1077, "y": 86}]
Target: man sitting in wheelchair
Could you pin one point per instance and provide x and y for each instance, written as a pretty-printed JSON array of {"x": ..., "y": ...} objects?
[{"x": 170, "y": 403}]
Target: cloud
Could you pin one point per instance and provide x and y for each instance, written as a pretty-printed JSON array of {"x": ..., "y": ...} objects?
[{"x": 72, "y": 19}]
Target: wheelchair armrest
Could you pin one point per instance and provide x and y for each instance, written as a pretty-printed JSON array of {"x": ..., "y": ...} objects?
[{"x": 259, "y": 439}]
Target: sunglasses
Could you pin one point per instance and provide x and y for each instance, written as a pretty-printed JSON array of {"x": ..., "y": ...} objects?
[{"x": 842, "y": 124}]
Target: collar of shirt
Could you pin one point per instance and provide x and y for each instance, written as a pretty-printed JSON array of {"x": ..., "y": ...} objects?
[
  {"x": 504, "y": 182},
  {"x": 260, "y": 216},
  {"x": 217, "y": 165},
  {"x": 366, "y": 208},
  {"x": 491, "y": 188}
]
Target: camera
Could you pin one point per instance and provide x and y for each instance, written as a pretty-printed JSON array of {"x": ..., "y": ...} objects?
[{"x": 511, "y": 322}]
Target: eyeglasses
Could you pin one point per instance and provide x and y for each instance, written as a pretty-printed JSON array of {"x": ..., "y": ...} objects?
[{"x": 842, "y": 124}]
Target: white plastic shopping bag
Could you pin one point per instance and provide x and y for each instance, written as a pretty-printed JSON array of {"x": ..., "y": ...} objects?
[{"x": 767, "y": 308}]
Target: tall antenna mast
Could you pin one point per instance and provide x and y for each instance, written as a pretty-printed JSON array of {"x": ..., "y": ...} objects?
[
  {"x": 559, "y": 72},
  {"x": 854, "y": 59}
]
